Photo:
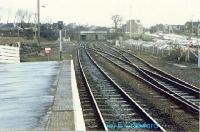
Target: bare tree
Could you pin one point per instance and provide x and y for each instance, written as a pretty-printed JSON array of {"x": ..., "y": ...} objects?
[
  {"x": 29, "y": 16},
  {"x": 20, "y": 15},
  {"x": 117, "y": 20}
]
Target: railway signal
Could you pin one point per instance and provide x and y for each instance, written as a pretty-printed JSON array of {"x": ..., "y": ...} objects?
[{"x": 60, "y": 25}]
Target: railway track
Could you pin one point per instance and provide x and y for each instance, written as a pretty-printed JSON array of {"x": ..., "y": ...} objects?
[
  {"x": 119, "y": 111},
  {"x": 92, "y": 116},
  {"x": 188, "y": 92},
  {"x": 145, "y": 65},
  {"x": 186, "y": 96}
]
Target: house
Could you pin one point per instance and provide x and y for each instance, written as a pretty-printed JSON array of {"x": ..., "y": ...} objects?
[
  {"x": 174, "y": 29},
  {"x": 167, "y": 28},
  {"x": 111, "y": 30},
  {"x": 7, "y": 29},
  {"x": 10, "y": 29},
  {"x": 192, "y": 28}
]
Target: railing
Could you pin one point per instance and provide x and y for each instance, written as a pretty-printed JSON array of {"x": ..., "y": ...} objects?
[{"x": 9, "y": 54}]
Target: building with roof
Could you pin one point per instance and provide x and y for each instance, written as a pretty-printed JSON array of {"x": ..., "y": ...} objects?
[
  {"x": 192, "y": 28},
  {"x": 93, "y": 35},
  {"x": 133, "y": 26},
  {"x": 9, "y": 29},
  {"x": 7, "y": 26}
]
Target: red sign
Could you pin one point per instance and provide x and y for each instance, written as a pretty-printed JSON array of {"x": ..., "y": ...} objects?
[{"x": 47, "y": 50}]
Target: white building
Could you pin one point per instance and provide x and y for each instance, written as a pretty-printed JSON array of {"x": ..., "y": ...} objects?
[{"x": 133, "y": 26}]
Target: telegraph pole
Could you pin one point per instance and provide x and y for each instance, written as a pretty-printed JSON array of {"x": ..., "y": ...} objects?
[
  {"x": 130, "y": 23},
  {"x": 198, "y": 56},
  {"x": 192, "y": 28},
  {"x": 38, "y": 12},
  {"x": 198, "y": 48}
]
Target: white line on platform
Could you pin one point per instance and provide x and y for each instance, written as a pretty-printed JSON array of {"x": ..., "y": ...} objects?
[{"x": 78, "y": 115}]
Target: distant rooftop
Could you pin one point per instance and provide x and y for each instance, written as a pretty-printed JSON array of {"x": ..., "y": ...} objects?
[
  {"x": 7, "y": 26},
  {"x": 134, "y": 21},
  {"x": 92, "y": 32}
]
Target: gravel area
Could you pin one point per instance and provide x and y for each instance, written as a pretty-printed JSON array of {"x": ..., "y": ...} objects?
[{"x": 167, "y": 113}]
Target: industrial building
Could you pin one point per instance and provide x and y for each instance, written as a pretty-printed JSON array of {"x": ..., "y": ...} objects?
[
  {"x": 93, "y": 35},
  {"x": 133, "y": 26}
]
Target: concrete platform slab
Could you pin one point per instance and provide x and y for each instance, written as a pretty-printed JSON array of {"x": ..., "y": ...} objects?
[
  {"x": 62, "y": 121},
  {"x": 66, "y": 109}
]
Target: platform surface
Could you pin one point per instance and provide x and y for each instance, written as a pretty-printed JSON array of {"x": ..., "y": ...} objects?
[
  {"x": 26, "y": 93},
  {"x": 39, "y": 96},
  {"x": 66, "y": 113}
]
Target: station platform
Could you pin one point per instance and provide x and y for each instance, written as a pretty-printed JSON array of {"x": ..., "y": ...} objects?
[{"x": 66, "y": 112}]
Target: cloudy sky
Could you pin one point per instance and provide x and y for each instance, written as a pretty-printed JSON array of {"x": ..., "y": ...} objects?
[{"x": 99, "y": 12}]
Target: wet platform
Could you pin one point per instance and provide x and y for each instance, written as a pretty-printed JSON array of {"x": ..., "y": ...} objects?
[{"x": 40, "y": 96}]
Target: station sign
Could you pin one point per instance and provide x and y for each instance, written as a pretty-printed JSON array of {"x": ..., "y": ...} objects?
[{"x": 47, "y": 50}]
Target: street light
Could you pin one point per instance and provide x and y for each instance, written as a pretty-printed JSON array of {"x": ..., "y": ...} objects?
[
  {"x": 60, "y": 27},
  {"x": 38, "y": 13},
  {"x": 38, "y": 10}
]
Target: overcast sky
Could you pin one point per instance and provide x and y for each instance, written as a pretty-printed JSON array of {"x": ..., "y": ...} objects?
[{"x": 99, "y": 12}]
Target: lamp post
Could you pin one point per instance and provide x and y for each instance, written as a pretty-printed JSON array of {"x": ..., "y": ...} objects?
[
  {"x": 38, "y": 12},
  {"x": 60, "y": 27},
  {"x": 192, "y": 26}
]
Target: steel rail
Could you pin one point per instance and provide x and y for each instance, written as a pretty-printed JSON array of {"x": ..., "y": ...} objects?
[
  {"x": 91, "y": 94},
  {"x": 161, "y": 71},
  {"x": 135, "y": 104},
  {"x": 148, "y": 79},
  {"x": 178, "y": 86}
]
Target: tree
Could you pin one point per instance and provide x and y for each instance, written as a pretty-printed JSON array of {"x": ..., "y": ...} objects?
[
  {"x": 20, "y": 15},
  {"x": 23, "y": 16},
  {"x": 117, "y": 20},
  {"x": 29, "y": 16}
]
